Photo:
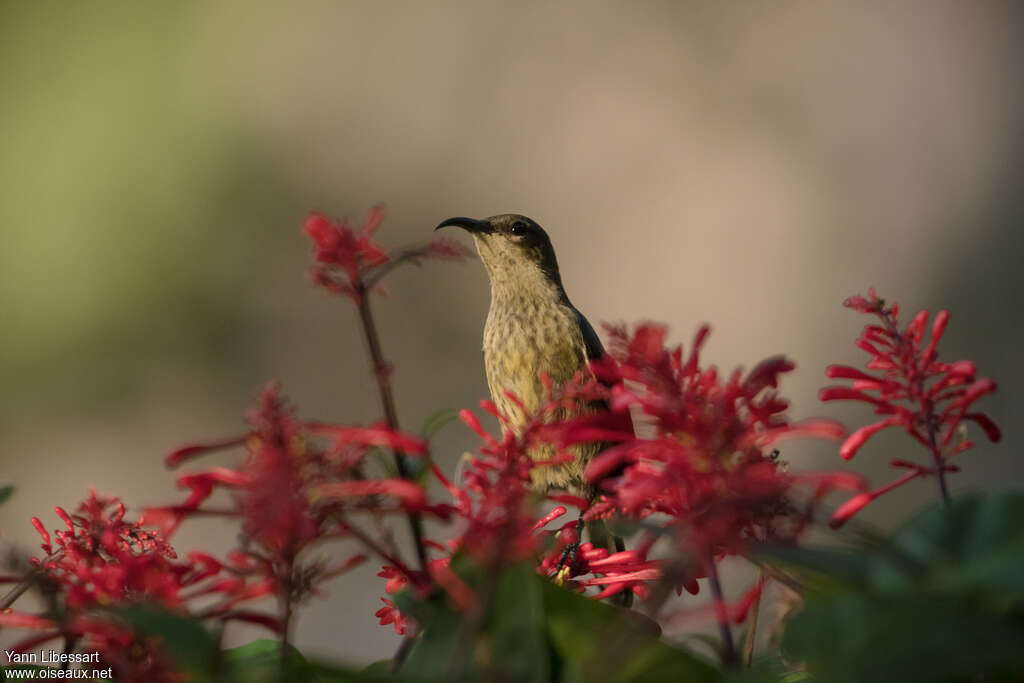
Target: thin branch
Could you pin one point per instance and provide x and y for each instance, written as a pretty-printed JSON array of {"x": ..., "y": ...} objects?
[
  {"x": 381, "y": 371},
  {"x": 729, "y": 658},
  {"x": 366, "y": 540},
  {"x": 15, "y": 593},
  {"x": 755, "y": 609},
  {"x": 940, "y": 472}
]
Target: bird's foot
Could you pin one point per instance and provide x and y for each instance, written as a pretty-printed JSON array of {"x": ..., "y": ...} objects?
[{"x": 569, "y": 553}]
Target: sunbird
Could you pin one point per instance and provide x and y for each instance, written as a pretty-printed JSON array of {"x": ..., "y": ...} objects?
[{"x": 532, "y": 328}]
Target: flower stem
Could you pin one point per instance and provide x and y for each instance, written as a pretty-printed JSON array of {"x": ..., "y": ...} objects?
[
  {"x": 940, "y": 473},
  {"x": 748, "y": 646},
  {"x": 387, "y": 401},
  {"x": 729, "y": 658},
  {"x": 15, "y": 593},
  {"x": 286, "y": 625}
]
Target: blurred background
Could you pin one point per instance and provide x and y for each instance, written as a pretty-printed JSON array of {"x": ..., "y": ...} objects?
[{"x": 745, "y": 164}]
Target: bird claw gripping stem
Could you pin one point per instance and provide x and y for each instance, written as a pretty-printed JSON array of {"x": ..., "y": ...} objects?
[{"x": 568, "y": 558}]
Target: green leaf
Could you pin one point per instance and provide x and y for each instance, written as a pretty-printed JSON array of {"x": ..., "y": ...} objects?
[
  {"x": 437, "y": 421},
  {"x": 823, "y": 570},
  {"x": 595, "y": 641},
  {"x": 194, "y": 649},
  {"x": 975, "y": 544},
  {"x": 434, "y": 655},
  {"x": 261, "y": 662},
  {"x": 328, "y": 673},
  {"x": 5, "y": 493},
  {"x": 909, "y": 638},
  {"x": 518, "y": 637},
  {"x": 942, "y": 600},
  {"x": 536, "y": 631},
  {"x": 382, "y": 667}
]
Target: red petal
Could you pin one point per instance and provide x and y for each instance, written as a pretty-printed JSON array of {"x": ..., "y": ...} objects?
[
  {"x": 855, "y": 504},
  {"x": 550, "y": 517},
  {"x": 470, "y": 419},
  {"x": 324, "y": 233},
  {"x": 407, "y": 491},
  {"x": 766, "y": 374},
  {"x": 989, "y": 426},
  {"x": 845, "y": 394},
  {"x": 272, "y": 623},
  {"x": 606, "y": 463},
  {"x": 859, "y": 437},
  {"x": 963, "y": 368},
  {"x": 805, "y": 429},
  {"x": 374, "y": 217},
  {"x": 846, "y": 372},
  {"x": 42, "y": 532},
  {"x": 461, "y": 594},
  {"x": 371, "y": 436},
  {"x": 977, "y": 390},
  {"x": 222, "y": 476},
  {"x": 13, "y": 619},
  {"x": 182, "y": 454},
  {"x": 849, "y": 509},
  {"x": 751, "y": 598},
  {"x": 938, "y": 328}
]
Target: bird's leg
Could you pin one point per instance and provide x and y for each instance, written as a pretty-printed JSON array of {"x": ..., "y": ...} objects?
[
  {"x": 598, "y": 537},
  {"x": 568, "y": 557}
]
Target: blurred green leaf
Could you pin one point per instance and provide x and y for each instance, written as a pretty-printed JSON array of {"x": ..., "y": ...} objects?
[
  {"x": 942, "y": 600},
  {"x": 904, "y": 638},
  {"x": 194, "y": 649},
  {"x": 975, "y": 544},
  {"x": 536, "y": 631},
  {"x": 5, "y": 493},
  {"x": 261, "y": 662},
  {"x": 435, "y": 422},
  {"x": 382, "y": 667},
  {"x": 595, "y": 641},
  {"x": 433, "y": 656},
  {"x": 519, "y": 647},
  {"x": 824, "y": 570}
]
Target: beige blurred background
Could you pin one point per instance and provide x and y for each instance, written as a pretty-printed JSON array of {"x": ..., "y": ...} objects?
[{"x": 745, "y": 164}]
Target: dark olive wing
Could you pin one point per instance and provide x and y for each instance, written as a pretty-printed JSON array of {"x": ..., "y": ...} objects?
[{"x": 590, "y": 339}]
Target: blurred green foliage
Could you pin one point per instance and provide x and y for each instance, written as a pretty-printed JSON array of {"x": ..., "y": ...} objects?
[{"x": 940, "y": 600}]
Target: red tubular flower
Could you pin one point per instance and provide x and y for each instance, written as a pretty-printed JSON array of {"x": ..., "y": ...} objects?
[
  {"x": 705, "y": 468},
  {"x": 389, "y": 614},
  {"x": 495, "y": 497},
  {"x": 294, "y": 489},
  {"x": 495, "y": 503},
  {"x": 100, "y": 560},
  {"x": 350, "y": 263},
  {"x": 906, "y": 382}
]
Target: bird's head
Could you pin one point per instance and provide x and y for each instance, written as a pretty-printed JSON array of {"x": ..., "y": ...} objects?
[{"x": 515, "y": 249}]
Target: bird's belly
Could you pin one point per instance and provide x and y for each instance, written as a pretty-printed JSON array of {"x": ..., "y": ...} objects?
[
  {"x": 514, "y": 362},
  {"x": 514, "y": 356}
]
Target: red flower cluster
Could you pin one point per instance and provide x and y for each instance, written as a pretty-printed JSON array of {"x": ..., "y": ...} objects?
[
  {"x": 627, "y": 570},
  {"x": 291, "y": 493},
  {"x": 706, "y": 467},
  {"x": 101, "y": 561},
  {"x": 350, "y": 263},
  {"x": 496, "y": 505},
  {"x": 929, "y": 398}
]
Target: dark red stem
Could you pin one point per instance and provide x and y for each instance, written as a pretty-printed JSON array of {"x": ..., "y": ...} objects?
[
  {"x": 940, "y": 472},
  {"x": 381, "y": 371},
  {"x": 729, "y": 658}
]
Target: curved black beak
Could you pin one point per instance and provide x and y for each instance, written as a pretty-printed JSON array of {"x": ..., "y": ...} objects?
[{"x": 470, "y": 225}]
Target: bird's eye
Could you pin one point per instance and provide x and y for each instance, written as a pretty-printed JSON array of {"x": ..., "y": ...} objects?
[{"x": 519, "y": 228}]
